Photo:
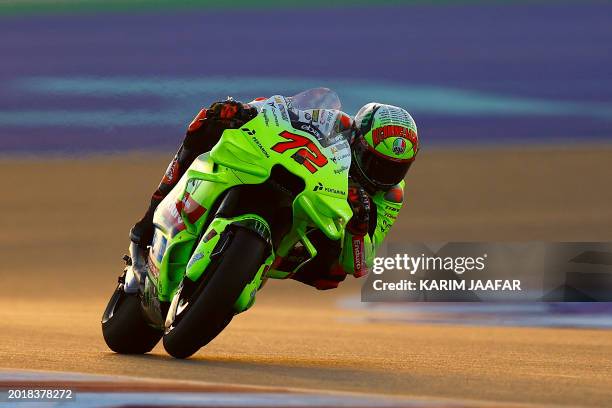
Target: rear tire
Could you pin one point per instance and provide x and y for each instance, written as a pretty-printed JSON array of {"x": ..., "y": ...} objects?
[
  {"x": 211, "y": 306},
  {"x": 124, "y": 327}
]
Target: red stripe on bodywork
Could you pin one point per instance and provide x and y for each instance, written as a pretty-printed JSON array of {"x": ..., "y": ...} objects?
[{"x": 192, "y": 209}]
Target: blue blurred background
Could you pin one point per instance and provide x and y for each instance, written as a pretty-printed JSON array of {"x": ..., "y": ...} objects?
[{"x": 86, "y": 76}]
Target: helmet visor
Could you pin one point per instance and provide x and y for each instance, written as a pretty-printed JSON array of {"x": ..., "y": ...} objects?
[{"x": 382, "y": 171}]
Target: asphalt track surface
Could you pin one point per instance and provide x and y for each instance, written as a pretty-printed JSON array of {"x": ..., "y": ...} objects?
[{"x": 65, "y": 223}]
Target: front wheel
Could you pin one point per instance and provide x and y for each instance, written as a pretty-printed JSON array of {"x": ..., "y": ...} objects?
[
  {"x": 124, "y": 326},
  {"x": 202, "y": 314}
]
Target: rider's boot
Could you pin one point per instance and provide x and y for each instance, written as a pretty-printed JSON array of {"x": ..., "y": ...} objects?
[{"x": 135, "y": 270}]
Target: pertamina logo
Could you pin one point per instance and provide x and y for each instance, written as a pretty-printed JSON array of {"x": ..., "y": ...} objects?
[{"x": 331, "y": 190}]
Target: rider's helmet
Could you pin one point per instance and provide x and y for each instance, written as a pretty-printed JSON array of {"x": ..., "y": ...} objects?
[{"x": 384, "y": 146}]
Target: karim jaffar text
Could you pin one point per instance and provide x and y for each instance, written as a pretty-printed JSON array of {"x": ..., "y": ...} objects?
[{"x": 450, "y": 284}]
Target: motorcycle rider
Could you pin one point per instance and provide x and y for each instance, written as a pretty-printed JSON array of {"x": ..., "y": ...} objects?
[{"x": 384, "y": 144}]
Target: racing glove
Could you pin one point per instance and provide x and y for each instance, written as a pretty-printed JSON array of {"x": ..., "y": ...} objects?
[
  {"x": 230, "y": 113},
  {"x": 357, "y": 228}
]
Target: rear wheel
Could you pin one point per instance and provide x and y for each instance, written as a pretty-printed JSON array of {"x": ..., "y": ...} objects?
[
  {"x": 124, "y": 326},
  {"x": 201, "y": 314}
]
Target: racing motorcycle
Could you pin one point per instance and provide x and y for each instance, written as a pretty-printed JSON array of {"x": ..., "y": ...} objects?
[{"x": 256, "y": 196}]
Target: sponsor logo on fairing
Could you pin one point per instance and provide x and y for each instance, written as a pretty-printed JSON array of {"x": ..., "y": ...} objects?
[
  {"x": 315, "y": 115},
  {"x": 195, "y": 258},
  {"x": 341, "y": 170},
  {"x": 261, "y": 148},
  {"x": 331, "y": 190},
  {"x": 283, "y": 112},
  {"x": 273, "y": 112},
  {"x": 308, "y": 128},
  {"x": 249, "y": 131}
]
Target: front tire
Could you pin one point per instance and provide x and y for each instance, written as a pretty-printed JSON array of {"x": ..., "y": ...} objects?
[
  {"x": 211, "y": 306},
  {"x": 124, "y": 327}
]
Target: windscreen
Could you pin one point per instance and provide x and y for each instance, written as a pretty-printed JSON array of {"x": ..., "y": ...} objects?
[{"x": 316, "y": 98}]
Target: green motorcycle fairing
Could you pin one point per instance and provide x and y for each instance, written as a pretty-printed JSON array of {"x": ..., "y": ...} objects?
[{"x": 247, "y": 156}]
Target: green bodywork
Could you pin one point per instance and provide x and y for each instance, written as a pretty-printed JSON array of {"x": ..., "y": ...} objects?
[{"x": 246, "y": 156}]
